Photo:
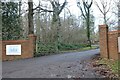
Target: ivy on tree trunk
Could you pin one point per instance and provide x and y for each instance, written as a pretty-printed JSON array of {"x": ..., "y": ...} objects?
[{"x": 30, "y": 17}]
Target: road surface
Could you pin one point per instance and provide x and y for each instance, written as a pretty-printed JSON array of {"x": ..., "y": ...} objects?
[{"x": 67, "y": 65}]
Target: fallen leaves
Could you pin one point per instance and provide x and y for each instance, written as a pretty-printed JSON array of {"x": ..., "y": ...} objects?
[{"x": 102, "y": 68}]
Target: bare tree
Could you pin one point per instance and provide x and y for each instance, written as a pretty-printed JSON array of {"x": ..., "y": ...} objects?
[
  {"x": 104, "y": 8},
  {"x": 116, "y": 12},
  {"x": 30, "y": 15},
  {"x": 86, "y": 14},
  {"x": 56, "y": 10}
]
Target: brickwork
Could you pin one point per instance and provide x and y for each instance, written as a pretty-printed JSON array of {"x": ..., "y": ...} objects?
[
  {"x": 113, "y": 45},
  {"x": 103, "y": 40},
  {"x": 108, "y": 43},
  {"x": 27, "y": 46}
]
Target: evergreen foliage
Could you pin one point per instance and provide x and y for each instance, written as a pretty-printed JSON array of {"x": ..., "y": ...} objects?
[{"x": 11, "y": 29}]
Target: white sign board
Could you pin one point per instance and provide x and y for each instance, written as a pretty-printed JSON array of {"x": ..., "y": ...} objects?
[
  {"x": 119, "y": 44},
  {"x": 13, "y": 49}
]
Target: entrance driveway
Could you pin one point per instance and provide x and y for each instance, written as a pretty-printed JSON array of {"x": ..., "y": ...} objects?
[{"x": 65, "y": 65}]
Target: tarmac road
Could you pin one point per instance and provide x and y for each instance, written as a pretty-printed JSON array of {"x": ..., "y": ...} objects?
[{"x": 66, "y": 65}]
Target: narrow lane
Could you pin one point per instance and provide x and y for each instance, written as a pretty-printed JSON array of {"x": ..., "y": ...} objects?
[{"x": 65, "y": 65}]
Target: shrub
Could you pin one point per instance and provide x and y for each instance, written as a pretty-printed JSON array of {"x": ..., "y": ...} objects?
[{"x": 50, "y": 48}]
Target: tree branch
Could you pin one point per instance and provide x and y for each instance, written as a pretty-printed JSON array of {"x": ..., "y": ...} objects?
[
  {"x": 45, "y": 10},
  {"x": 81, "y": 10},
  {"x": 99, "y": 7},
  {"x": 91, "y": 4},
  {"x": 109, "y": 7},
  {"x": 62, "y": 7},
  {"x": 85, "y": 7}
]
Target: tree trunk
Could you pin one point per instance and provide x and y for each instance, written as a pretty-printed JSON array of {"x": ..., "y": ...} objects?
[
  {"x": 30, "y": 17},
  {"x": 88, "y": 28},
  {"x": 105, "y": 21}
]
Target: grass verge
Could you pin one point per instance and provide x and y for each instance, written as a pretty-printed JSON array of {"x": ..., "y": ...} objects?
[
  {"x": 78, "y": 50},
  {"x": 114, "y": 65}
]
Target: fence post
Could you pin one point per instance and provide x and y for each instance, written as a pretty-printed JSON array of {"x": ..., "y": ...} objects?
[
  {"x": 32, "y": 43},
  {"x": 103, "y": 41}
]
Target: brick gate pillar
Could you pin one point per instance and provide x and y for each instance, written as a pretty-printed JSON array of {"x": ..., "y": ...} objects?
[
  {"x": 103, "y": 41},
  {"x": 32, "y": 43}
]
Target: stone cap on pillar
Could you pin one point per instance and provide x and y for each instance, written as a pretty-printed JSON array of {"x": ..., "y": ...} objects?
[
  {"x": 31, "y": 35},
  {"x": 104, "y": 25}
]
